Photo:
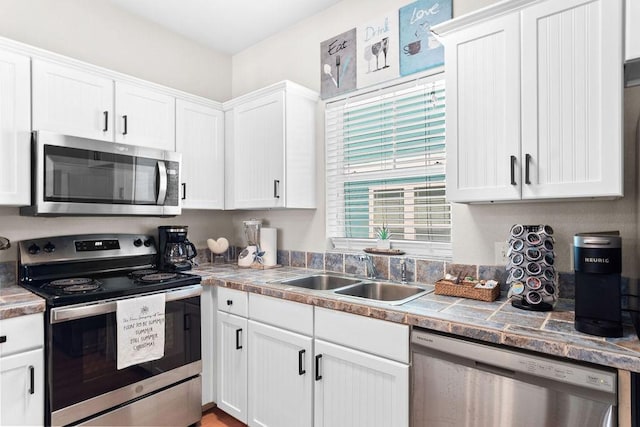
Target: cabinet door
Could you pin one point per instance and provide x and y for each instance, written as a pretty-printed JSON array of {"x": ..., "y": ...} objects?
[
  {"x": 632, "y": 29},
  {"x": 353, "y": 389},
  {"x": 145, "y": 117},
  {"x": 72, "y": 102},
  {"x": 232, "y": 365},
  {"x": 15, "y": 127},
  {"x": 280, "y": 377},
  {"x": 22, "y": 389},
  {"x": 200, "y": 139},
  {"x": 209, "y": 332},
  {"x": 572, "y": 99},
  {"x": 483, "y": 111},
  {"x": 257, "y": 142}
]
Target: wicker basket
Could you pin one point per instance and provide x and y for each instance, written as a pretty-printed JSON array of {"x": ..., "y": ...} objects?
[{"x": 466, "y": 290}]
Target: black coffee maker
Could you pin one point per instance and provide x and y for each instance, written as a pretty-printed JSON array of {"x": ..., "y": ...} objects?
[
  {"x": 175, "y": 250},
  {"x": 598, "y": 265}
]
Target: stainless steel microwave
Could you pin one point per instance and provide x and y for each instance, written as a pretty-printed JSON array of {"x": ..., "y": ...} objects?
[{"x": 79, "y": 176}]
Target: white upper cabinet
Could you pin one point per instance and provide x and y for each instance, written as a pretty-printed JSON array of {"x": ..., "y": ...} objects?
[
  {"x": 270, "y": 148},
  {"x": 483, "y": 110},
  {"x": 541, "y": 123},
  {"x": 572, "y": 93},
  {"x": 632, "y": 50},
  {"x": 15, "y": 127},
  {"x": 71, "y": 101},
  {"x": 200, "y": 139},
  {"x": 144, "y": 117}
]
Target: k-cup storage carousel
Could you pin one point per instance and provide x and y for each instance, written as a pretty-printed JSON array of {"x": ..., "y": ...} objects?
[{"x": 532, "y": 278}]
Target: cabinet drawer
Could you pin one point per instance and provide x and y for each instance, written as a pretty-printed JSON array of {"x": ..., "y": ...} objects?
[
  {"x": 233, "y": 301},
  {"x": 22, "y": 333},
  {"x": 379, "y": 337},
  {"x": 294, "y": 316}
]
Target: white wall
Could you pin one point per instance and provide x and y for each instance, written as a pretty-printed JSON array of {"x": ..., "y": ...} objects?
[
  {"x": 96, "y": 32},
  {"x": 295, "y": 54}
]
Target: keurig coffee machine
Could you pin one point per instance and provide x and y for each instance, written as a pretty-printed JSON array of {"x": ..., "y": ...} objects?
[
  {"x": 598, "y": 265},
  {"x": 176, "y": 251}
]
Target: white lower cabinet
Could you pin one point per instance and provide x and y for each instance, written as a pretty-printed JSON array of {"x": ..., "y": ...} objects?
[
  {"x": 300, "y": 366},
  {"x": 232, "y": 365},
  {"x": 353, "y": 388},
  {"x": 280, "y": 377},
  {"x": 22, "y": 371}
]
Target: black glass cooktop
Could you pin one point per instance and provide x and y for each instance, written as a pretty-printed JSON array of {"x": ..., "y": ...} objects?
[{"x": 81, "y": 288}]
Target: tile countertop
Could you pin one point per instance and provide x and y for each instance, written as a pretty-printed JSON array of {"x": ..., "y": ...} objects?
[
  {"x": 17, "y": 301},
  {"x": 495, "y": 322}
]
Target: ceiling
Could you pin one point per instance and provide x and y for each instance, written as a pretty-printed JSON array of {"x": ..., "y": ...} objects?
[{"x": 227, "y": 26}]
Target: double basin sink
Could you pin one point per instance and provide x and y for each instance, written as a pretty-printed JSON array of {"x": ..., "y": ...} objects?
[{"x": 387, "y": 292}]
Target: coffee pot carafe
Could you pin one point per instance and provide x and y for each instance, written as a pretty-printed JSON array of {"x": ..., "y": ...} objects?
[{"x": 176, "y": 251}]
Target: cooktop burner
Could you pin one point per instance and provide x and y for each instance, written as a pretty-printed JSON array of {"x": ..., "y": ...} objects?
[
  {"x": 85, "y": 287},
  {"x": 158, "y": 277},
  {"x": 139, "y": 273},
  {"x": 63, "y": 283}
]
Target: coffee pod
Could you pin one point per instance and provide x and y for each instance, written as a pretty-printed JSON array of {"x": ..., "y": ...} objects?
[
  {"x": 517, "y": 273},
  {"x": 533, "y": 268},
  {"x": 549, "y": 274},
  {"x": 549, "y": 289},
  {"x": 548, "y": 244},
  {"x": 533, "y": 239},
  {"x": 517, "y": 245},
  {"x": 545, "y": 230},
  {"x": 517, "y": 288},
  {"x": 533, "y": 297},
  {"x": 517, "y": 230},
  {"x": 533, "y": 254},
  {"x": 533, "y": 283},
  {"x": 548, "y": 259},
  {"x": 517, "y": 259}
]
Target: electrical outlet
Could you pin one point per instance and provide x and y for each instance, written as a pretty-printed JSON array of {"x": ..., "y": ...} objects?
[{"x": 500, "y": 251}]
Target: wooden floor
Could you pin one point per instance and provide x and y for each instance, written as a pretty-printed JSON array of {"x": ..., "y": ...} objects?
[{"x": 216, "y": 418}]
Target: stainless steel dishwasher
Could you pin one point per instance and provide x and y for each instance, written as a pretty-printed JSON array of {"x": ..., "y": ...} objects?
[{"x": 455, "y": 383}]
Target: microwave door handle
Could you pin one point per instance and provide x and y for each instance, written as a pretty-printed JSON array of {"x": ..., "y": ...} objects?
[
  {"x": 162, "y": 182},
  {"x": 59, "y": 315}
]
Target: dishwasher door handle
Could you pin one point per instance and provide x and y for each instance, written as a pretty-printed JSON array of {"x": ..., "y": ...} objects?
[{"x": 495, "y": 369}]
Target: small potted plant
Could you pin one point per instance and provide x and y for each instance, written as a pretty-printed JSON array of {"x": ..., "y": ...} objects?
[{"x": 383, "y": 235}]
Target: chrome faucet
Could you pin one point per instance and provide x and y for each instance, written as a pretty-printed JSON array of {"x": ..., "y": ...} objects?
[{"x": 370, "y": 268}]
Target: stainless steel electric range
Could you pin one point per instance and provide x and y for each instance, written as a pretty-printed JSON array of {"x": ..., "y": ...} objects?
[{"x": 82, "y": 278}]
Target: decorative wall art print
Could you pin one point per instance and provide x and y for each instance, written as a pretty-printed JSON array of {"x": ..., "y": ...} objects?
[
  {"x": 338, "y": 64},
  {"x": 419, "y": 49},
  {"x": 378, "y": 50}
]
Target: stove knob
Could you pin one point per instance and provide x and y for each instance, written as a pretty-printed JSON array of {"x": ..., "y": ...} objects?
[
  {"x": 137, "y": 243},
  {"x": 49, "y": 247},
  {"x": 33, "y": 249},
  {"x": 147, "y": 243}
]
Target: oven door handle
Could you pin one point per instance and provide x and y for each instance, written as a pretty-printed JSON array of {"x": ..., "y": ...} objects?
[{"x": 59, "y": 315}]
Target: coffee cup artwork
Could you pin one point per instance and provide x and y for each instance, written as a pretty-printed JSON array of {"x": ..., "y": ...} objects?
[{"x": 412, "y": 48}]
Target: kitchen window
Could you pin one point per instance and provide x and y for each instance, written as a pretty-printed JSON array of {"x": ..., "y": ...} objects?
[{"x": 385, "y": 166}]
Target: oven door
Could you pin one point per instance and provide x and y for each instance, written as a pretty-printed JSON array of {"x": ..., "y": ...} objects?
[
  {"x": 76, "y": 176},
  {"x": 83, "y": 379}
]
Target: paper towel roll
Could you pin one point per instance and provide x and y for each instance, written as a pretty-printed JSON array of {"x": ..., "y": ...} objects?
[{"x": 269, "y": 244}]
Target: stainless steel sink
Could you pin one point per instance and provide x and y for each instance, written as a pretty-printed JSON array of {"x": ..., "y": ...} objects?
[
  {"x": 390, "y": 293},
  {"x": 321, "y": 282}
]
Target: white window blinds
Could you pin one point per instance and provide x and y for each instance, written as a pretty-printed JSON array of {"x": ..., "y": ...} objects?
[{"x": 385, "y": 158}]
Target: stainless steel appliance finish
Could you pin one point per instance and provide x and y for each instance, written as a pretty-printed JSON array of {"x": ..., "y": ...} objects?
[
  {"x": 175, "y": 406},
  {"x": 81, "y": 278},
  {"x": 79, "y": 176},
  {"x": 462, "y": 383}
]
